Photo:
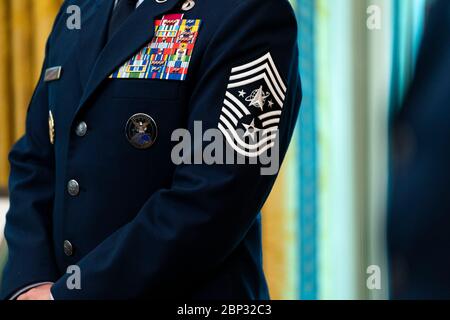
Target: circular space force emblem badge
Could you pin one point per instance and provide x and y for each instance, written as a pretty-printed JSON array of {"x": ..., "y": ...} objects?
[{"x": 141, "y": 131}]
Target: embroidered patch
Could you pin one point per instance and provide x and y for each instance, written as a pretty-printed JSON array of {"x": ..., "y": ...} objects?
[
  {"x": 252, "y": 107},
  {"x": 169, "y": 53}
]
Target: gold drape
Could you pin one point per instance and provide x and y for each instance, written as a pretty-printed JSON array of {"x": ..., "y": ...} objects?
[
  {"x": 24, "y": 27},
  {"x": 280, "y": 216}
]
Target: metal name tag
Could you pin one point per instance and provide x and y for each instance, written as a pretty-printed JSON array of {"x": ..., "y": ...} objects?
[{"x": 52, "y": 74}]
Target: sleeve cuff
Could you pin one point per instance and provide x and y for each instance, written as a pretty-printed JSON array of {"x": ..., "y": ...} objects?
[{"x": 18, "y": 293}]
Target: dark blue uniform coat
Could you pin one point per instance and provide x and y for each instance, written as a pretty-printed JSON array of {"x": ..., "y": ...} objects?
[
  {"x": 419, "y": 219},
  {"x": 140, "y": 226}
]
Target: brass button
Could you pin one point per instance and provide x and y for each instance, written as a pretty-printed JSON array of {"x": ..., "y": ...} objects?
[
  {"x": 68, "y": 248},
  {"x": 81, "y": 129},
  {"x": 73, "y": 188}
]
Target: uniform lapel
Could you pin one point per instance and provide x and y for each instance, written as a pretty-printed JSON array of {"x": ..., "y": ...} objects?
[
  {"x": 136, "y": 31},
  {"x": 93, "y": 37}
]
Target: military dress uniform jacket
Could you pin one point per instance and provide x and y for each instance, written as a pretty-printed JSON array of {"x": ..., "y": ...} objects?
[
  {"x": 93, "y": 183},
  {"x": 419, "y": 221}
]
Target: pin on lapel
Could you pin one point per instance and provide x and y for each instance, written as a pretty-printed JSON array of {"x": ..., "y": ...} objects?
[
  {"x": 52, "y": 74},
  {"x": 51, "y": 127},
  {"x": 188, "y": 5}
]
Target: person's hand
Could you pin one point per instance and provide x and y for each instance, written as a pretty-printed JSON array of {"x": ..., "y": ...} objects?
[{"x": 38, "y": 293}]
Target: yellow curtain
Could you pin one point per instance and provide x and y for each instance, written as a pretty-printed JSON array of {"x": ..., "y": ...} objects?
[
  {"x": 5, "y": 98},
  {"x": 24, "y": 28},
  {"x": 280, "y": 243}
]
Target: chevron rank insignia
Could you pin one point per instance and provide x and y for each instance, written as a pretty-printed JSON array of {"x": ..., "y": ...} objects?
[
  {"x": 252, "y": 107},
  {"x": 169, "y": 53}
]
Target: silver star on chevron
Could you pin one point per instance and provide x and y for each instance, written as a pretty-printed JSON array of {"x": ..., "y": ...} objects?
[
  {"x": 242, "y": 93},
  {"x": 251, "y": 130}
]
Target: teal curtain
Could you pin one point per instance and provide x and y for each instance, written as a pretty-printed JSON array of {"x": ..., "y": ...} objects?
[
  {"x": 403, "y": 21},
  {"x": 307, "y": 154}
]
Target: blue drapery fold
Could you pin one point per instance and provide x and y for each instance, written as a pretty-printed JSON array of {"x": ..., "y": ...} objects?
[
  {"x": 308, "y": 263},
  {"x": 406, "y": 28}
]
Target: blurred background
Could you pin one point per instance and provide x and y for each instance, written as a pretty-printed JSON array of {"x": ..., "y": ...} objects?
[{"x": 324, "y": 222}]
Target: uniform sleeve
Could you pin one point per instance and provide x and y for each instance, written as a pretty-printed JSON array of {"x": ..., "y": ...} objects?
[
  {"x": 28, "y": 288},
  {"x": 28, "y": 231},
  {"x": 192, "y": 228}
]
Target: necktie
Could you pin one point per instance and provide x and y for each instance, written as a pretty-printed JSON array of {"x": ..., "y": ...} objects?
[{"x": 121, "y": 12}]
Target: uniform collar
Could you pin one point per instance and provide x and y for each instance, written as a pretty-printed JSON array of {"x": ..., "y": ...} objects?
[{"x": 136, "y": 31}]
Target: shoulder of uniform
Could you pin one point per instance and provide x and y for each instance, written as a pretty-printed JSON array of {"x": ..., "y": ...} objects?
[
  {"x": 276, "y": 12},
  {"x": 79, "y": 2},
  {"x": 229, "y": 6},
  {"x": 67, "y": 3},
  {"x": 83, "y": 4},
  {"x": 272, "y": 11}
]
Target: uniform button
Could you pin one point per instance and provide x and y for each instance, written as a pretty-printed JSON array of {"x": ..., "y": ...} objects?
[
  {"x": 73, "y": 188},
  {"x": 81, "y": 129},
  {"x": 68, "y": 248}
]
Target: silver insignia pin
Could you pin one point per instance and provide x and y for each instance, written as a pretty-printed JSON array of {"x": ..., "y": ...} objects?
[
  {"x": 52, "y": 74},
  {"x": 188, "y": 5}
]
